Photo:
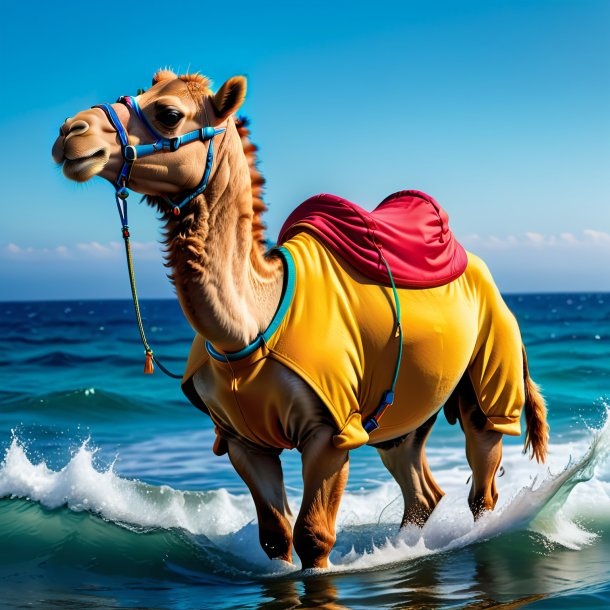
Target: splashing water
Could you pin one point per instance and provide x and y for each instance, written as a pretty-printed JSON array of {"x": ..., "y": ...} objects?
[{"x": 368, "y": 536}]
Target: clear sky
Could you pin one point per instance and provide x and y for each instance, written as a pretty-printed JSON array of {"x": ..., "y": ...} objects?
[{"x": 499, "y": 109}]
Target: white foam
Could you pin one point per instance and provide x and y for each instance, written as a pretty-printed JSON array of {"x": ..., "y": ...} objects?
[
  {"x": 80, "y": 486},
  {"x": 368, "y": 536}
]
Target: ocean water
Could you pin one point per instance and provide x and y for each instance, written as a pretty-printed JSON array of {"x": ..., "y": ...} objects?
[{"x": 110, "y": 496}]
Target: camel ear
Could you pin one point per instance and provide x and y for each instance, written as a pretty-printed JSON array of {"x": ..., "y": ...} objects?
[
  {"x": 229, "y": 97},
  {"x": 162, "y": 75}
]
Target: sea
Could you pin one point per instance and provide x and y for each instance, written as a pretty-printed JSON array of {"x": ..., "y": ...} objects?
[{"x": 111, "y": 497}]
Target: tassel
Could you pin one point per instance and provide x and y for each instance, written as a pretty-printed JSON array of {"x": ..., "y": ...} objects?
[{"x": 149, "y": 367}]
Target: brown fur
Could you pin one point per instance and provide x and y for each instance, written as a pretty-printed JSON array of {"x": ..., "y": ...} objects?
[
  {"x": 229, "y": 97},
  {"x": 198, "y": 84},
  {"x": 420, "y": 491},
  {"x": 256, "y": 179},
  {"x": 179, "y": 232},
  {"x": 161, "y": 75},
  {"x": 537, "y": 428}
]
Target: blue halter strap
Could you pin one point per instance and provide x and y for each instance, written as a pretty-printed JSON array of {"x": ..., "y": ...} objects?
[{"x": 131, "y": 153}]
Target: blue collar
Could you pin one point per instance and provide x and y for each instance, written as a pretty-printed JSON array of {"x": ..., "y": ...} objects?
[{"x": 284, "y": 305}]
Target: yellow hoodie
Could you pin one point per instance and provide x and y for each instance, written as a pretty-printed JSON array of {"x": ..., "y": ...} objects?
[{"x": 335, "y": 329}]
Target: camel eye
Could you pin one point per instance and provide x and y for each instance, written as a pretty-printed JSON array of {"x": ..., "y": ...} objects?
[{"x": 169, "y": 117}]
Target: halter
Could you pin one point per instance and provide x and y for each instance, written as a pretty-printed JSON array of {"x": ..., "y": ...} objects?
[{"x": 130, "y": 154}]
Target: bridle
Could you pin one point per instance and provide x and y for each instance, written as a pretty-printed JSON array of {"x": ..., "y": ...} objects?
[{"x": 130, "y": 153}]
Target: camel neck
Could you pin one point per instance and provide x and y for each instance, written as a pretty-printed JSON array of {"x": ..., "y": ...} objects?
[
  {"x": 282, "y": 309},
  {"x": 229, "y": 289}
]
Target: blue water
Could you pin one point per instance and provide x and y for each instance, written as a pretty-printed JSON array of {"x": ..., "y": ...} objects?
[{"x": 111, "y": 496}]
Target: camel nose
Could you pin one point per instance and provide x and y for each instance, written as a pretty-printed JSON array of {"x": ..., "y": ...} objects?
[{"x": 76, "y": 128}]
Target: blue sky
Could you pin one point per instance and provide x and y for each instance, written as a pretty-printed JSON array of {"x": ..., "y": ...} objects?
[{"x": 499, "y": 109}]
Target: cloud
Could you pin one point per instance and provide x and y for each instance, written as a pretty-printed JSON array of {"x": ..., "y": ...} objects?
[
  {"x": 587, "y": 239},
  {"x": 92, "y": 250},
  {"x": 598, "y": 237},
  {"x": 568, "y": 238},
  {"x": 534, "y": 238}
]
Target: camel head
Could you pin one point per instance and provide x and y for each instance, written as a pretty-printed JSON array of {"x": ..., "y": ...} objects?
[{"x": 88, "y": 144}]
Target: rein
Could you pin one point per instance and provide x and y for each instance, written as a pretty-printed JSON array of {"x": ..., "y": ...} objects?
[{"x": 130, "y": 153}]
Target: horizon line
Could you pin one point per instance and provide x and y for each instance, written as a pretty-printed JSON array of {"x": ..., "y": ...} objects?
[{"x": 141, "y": 299}]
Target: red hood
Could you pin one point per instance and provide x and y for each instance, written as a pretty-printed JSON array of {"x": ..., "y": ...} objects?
[{"x": 409, "y": 227}]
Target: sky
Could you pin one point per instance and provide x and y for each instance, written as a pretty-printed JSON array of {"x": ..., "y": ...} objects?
[{"x": 498, "y": 109}]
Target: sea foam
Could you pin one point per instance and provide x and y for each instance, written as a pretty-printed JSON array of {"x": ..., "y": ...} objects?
[{"x": 551, "y": 501}]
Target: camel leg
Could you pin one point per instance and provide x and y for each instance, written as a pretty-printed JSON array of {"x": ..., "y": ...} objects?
[
  {"x": 483, "y": 451},
  {"x": 325, "y": 471},
  {"x": 406, "y": 460},
  {"x": 261, "y": 471}
]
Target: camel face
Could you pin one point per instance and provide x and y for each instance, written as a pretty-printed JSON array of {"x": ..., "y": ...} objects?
[{"x": 88, "y": 144}]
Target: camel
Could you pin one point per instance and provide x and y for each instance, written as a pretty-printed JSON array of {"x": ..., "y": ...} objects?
[{"x": 462, "y": 347}]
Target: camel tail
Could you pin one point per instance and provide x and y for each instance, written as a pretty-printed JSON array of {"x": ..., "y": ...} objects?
[{"x": 537, "y": 428}]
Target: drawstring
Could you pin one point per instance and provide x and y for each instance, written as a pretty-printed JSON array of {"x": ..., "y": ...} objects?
[{"x": 387, "y": 399}]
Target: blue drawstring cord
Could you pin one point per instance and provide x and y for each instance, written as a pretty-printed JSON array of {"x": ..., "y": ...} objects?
[{"x": 387, "y": 399}]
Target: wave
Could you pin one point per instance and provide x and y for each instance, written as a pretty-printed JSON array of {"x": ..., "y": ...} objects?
[
  {"x": 61, "y": 358},
  {"x": 89, "y": 404},
  {"x": 80, "y": 515},
  {"x": 46, "y": 340}
]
